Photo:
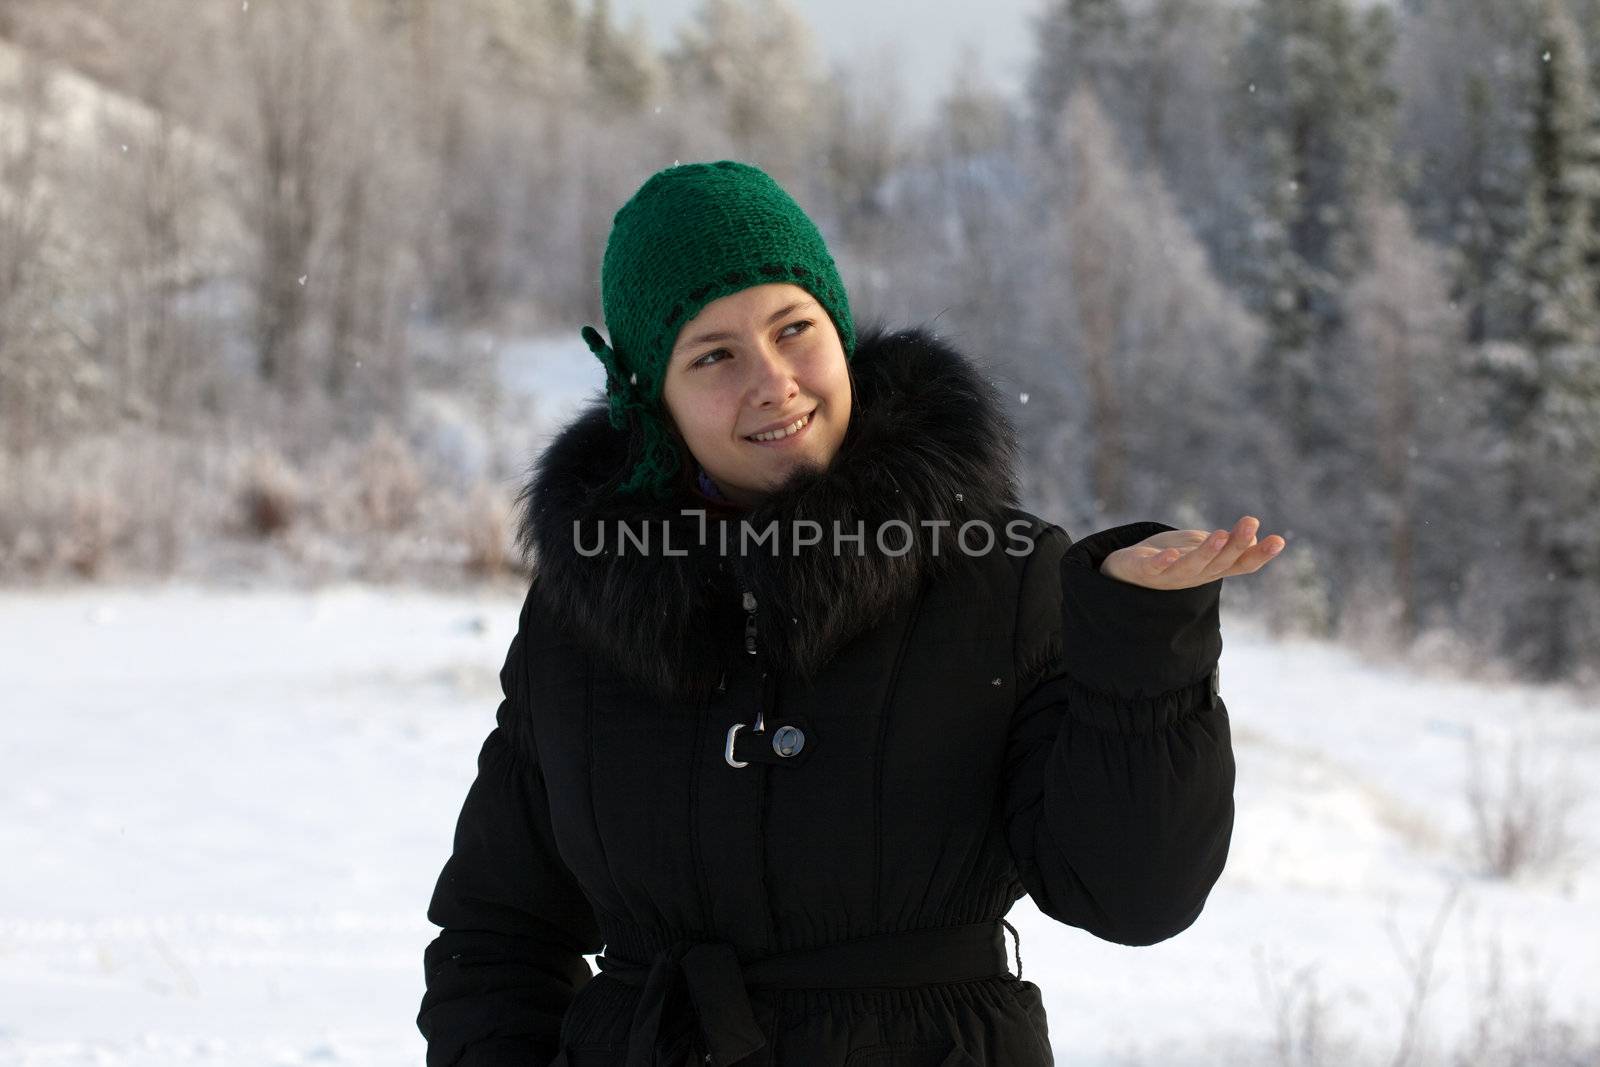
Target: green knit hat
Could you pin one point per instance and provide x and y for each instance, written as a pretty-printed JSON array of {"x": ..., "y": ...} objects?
[{"x": 691, "y": 234}]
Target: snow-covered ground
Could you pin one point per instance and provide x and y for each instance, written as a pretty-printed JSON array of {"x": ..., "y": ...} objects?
[{"x": 225, "y": 810}]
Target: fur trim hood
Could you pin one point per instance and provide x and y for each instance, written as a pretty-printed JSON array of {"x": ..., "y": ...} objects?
[{"x": 928, "y": 449}]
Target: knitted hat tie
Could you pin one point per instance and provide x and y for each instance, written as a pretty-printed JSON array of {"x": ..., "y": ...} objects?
[
  {"x": 621, "y": 394},
  {"x": 660, "y": 458}
]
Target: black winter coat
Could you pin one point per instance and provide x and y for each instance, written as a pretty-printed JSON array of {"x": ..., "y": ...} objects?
[{"x": 802, "y": 854}]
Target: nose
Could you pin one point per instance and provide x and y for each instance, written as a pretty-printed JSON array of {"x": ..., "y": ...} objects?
[{"x": 772, "y": 379}]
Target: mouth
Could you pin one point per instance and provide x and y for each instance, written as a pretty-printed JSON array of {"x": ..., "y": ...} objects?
[{"x": 786, "y": 435}]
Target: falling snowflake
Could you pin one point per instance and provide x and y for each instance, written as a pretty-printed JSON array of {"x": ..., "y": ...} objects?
[
  {"x": 995, "y": 682},
  {"x": 302, "y": 279},
  {"x": 1022, "y": 397}
]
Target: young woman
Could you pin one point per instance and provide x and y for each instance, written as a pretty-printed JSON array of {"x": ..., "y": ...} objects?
[{"x": 801, "y": 702}]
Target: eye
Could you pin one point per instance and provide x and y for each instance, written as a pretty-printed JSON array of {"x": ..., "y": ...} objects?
[{"x": 804, "y": 324}]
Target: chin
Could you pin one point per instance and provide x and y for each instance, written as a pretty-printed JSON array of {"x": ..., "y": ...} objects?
[{"x": 806, "y": 462}]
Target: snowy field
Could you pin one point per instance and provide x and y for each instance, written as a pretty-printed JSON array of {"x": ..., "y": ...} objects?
[{"x": 225, "y": 811}]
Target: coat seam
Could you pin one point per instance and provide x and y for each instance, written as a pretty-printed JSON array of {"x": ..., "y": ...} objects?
[
  {"x": 588, "y": 760},
  {"x": 878, "y": 761},
  {"x": 1030, "y": 672},
  {"x": 696, "y": 779},
  {"x": 761, "y": 850}
]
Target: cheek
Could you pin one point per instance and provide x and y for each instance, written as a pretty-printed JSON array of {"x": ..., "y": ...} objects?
[
  {"x": 711, "y": 421},
  {"x": 836, "y": 387}
]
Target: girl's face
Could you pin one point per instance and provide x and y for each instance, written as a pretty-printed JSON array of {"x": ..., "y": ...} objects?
[{"x": 762, "y": 359}]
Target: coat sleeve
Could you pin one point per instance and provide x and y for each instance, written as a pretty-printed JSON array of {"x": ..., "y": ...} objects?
[
  {"x": 516, "y": 925},
  {"x": 1119, "y": 764}
]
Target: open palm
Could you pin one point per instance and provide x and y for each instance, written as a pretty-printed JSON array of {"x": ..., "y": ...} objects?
[{"x": 1179, "y": 559}]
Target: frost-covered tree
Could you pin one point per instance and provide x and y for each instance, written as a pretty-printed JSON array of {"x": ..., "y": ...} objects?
[
  {"x": 320, "y": 165},
  {"x": 1161, "y": 70},
  {"x": 292, "y": 81},
  {"x": 1314, "y": 111},
  {"x": 1544, "y": 388},
  {"x": 1551, "y": 270},
  {"x": 1080, "y": 43},
  {"x": 756, "y": 62},
  {"x": 1399, "y": 358},
  {"x": 1155, "y": 341},
  {"x": 533, "y": 43},
  {"x": 973, "y": 116},
  {"x": 1462, "y": 139},
  {"x": 957, "y": 208},
  {"x": 35, "y": 381},
  {"x": 861, "y": 140},
  {"x": 620, "y": 63}
]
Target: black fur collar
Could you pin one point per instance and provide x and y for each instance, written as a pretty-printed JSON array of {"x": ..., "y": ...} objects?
[{"x": 927, "y": 440}]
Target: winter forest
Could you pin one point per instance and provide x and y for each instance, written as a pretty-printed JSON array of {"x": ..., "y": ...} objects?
[
  {"x": 263, "y": 264},
  {"x": 290, "y": 296}
]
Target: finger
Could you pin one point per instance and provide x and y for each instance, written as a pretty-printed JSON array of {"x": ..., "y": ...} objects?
[
  {"x": 1155, "y": 566},
  {"x": 1240, "y": 540},
  {"x": 1161, "y": 559},
  {"x": 1188, "y": 568},
  {"x": 1260, "y": 555}
]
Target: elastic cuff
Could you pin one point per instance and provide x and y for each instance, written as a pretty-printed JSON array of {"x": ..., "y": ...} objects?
[
  {"x": 1140, "y": 715},
  {"x": 1092, "y": 551},
  {"x": 1127, "y": 641}
]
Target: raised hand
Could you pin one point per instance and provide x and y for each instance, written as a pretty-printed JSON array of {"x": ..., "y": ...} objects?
[{"x": 1179, "y": 559}]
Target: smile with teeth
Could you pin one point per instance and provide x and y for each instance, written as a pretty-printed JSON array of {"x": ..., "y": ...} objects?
[{"x": 775, "y": 435}]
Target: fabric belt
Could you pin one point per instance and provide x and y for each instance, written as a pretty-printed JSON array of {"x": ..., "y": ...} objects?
[{"x": 716, "y": 984}]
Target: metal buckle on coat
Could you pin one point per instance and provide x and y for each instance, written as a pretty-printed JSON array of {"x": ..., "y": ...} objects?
[{"x": 788, "y": 743}]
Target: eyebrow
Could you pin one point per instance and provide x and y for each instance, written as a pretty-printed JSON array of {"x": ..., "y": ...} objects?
[{"x": 722, "y": 335}]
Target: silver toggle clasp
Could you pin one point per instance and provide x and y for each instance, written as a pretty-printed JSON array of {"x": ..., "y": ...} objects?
[
  {"x": 727, "y": 753},
  {"x": 760, "y": 727}
]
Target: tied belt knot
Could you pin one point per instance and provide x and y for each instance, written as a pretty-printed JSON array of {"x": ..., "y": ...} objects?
[{"x": 701, "y": 986}]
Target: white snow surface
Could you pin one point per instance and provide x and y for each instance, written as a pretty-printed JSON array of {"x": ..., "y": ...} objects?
[{"x": 225, "y": 811}]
